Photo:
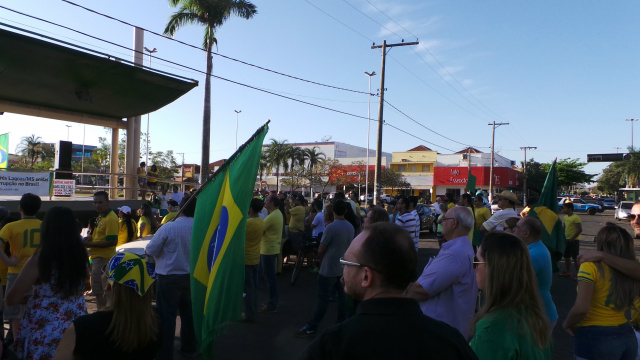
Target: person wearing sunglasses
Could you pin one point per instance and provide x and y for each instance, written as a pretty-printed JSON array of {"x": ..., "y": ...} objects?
[
  {"x": 447, "y": 288},
  {"x": 378, "y": 265}
]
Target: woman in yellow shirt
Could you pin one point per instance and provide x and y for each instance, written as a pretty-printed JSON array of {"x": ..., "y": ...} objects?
[
  {"x": 597, "y": 319},
  {"x": 147, "y": 223},
  {"x": 127, "y": 226},
  {"x": 482, "y": 214}
]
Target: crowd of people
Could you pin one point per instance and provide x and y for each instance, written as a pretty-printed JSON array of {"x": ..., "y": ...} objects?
[
  {"x": 485, "y": 295},
  {"x": 489, "y": 286}
]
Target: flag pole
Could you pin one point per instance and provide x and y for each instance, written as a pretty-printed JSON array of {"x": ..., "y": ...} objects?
[{"x": 224, "y": 166}]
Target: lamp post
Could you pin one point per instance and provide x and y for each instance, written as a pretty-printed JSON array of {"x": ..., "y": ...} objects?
[
  {"x": 366, "y": 181},
  {"x": 146, "y": 158},
  {"x": 68, "y": 126},
  {"x": 632, "y": 120},
  {"x": 237, "y": 115}
]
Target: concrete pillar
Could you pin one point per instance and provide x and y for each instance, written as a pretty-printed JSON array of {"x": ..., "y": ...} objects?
[
  {"x": 133, "y": 127},
  {"x": 113, "y": 181}
]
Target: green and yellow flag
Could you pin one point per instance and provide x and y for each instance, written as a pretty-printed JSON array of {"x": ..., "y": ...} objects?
[
  {"x": 546, "y": 210},
  {"x": 471, "y": 183},
  {"x": 4, "y": 151},
  {"x": 217, "y": 243}
]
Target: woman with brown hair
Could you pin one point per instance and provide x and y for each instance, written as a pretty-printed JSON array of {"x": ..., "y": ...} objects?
[
  {"x": 375, "y": 214},
  {"x": 512, "y": 323},
  {"x": 129, "y": 330},
  {"x": 597, "y": 319}
]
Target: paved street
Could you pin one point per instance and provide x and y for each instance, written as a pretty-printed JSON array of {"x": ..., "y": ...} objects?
[{"x": 272, "y": 336}]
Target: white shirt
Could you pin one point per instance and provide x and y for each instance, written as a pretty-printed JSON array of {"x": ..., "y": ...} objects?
[
  {"x": 163, "y": 201},
  {"x": 497, "y": 221},
  {"x": 170, "y": 247},
  {"x": 176, "y": 196},
  {"x": 318, "y": 221}
]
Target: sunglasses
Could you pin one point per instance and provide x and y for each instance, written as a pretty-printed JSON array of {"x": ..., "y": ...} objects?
[
  {"x": 344, "y": 263},
  {"x": 632, "y": 217},
  {"x": 476, "y": 263}
]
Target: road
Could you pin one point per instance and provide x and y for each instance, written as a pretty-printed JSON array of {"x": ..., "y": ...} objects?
[{"x": 273, "y": 335}]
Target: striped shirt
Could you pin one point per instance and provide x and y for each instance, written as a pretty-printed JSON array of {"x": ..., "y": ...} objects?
[{"x": 409, "y": 223}]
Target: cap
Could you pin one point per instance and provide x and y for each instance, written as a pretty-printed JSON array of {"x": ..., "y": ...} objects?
[
  {"x": 125, "y": 209},
  {"x": 132, "y": 271}
]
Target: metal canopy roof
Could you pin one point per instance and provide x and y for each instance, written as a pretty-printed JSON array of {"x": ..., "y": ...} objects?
[{"x": 42, "y": 78}]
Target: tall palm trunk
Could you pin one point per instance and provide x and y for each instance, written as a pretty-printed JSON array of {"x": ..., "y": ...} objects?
[{"x": 206, "y": 117}]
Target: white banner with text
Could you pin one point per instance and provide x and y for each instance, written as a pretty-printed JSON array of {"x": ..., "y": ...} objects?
[{"x": 19, "y": 183}]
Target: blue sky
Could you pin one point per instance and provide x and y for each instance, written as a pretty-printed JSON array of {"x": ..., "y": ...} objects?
[{"x": 562, "y": 74}]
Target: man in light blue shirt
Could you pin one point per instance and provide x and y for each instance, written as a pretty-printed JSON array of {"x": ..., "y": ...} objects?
[
  {"x": 529, "y": 229},
  {"x": 170, "y": 247},
  {"x": 447, "y": 288}
]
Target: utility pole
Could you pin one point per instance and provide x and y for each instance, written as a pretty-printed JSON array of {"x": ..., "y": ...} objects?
[
  {"x": 493, "y": 140},
  {"x": 632, "y": 120},
  {"x": 378, "y": 176},
  {"x": 524, "y": 196},
  {"x": 237, "y": 116},
  {"x": 146, "y": 158}
]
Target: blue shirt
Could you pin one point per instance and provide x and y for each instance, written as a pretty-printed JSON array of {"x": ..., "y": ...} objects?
[
  {"x": 450, "y": 280},
  {"x": 541, "y": 261},
  {"x": 171, "y": 247}
]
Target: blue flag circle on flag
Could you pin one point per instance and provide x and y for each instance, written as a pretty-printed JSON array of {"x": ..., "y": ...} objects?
[
  {"x": 217, "y": 239},
  {"x": 3, "y": 155}
]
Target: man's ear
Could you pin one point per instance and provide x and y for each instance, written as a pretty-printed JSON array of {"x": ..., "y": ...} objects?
[{"x": 367, "y": 277}]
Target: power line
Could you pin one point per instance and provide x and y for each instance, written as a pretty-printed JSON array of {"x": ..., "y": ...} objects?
[
  {"x": 345, "y": 25},
  {"x": 372, "y": 19},
  {"x": 214, "y": 53},
  {"x": 417, "y": 137},
  {"x": 375, "y": 7}
]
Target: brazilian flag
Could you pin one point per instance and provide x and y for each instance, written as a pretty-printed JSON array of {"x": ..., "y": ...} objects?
[
  {"x": 217, "y": 242},
  {"x": 546, "y": 210},
  {"x": 4, "y": 151}
]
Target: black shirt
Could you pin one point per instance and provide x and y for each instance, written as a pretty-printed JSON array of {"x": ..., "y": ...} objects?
[
  {"x": 93, "y": 342},
  {"x": 389, "y": 328}
]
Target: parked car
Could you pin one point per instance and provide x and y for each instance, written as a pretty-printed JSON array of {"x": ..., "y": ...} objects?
[
  {"x": 386, "y": 198},
  {"x": 623, "y": 209},
  {"x": 608, "y": 203},
  {"x": 427, "y": 217},
  {"x": 369, "y": 197},
  {"x": 580, "y": 205}
]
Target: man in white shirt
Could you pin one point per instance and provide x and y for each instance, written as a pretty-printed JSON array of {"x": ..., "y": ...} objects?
[
  {"x": 507, "y": 203},
  {"x": 176, "y": 195},
  {"x": 170, "y": 247}
]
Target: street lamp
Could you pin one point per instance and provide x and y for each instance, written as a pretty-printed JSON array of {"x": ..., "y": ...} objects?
[
  {"x": 366, "y": 188},
  {"x": 68, "y": 126},
  {"x": 237, "y": 115},
  {"x": 632, "y": 120},
  {"x": 146, "y": 159}
]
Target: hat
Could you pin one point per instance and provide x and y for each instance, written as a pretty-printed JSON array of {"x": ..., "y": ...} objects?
[
  {"x": 132, "y": 271},
  {"x": 125, "y": 209},
  {"x": 172, "y": 203},
  {"x": 508, "y": 195}
]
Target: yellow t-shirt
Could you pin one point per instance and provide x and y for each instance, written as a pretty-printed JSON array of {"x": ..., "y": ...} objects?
[
  {"x": 451, "y": 205},
  {"x": 152, "y": 176},
  {"x": 23, "y": 237},
  {"x": 147, "y": 226},
  {"x": 569, "y": 223},
  {"x": 255, "y": 229},
  {"x": 123, "y": 233},
  {"x": 106, "y": 230},
  {"x": 482, "y": 214},
  {"x": 272, "y": 236},
  {"x": 168, "y": 217},
  {"x": 297, "y": 218},
  {"x": 601, "y": 312}
]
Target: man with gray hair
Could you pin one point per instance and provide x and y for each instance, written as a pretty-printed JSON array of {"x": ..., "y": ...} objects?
[{"x": 447, "y": 288}]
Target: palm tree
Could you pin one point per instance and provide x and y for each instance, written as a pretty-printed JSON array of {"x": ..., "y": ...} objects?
[
  {"x": 263, "y": 165},
  {"x": 211, "y": 14},
  {"x": 313, "y": 157},
  {"x": 30, "y": 147},
  {"x": 278, "y": 156}
]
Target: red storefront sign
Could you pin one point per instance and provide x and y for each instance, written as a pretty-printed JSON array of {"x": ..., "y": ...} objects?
[
  {"x": 502, "y": 176},
  {"x": 351, "y": 173}
]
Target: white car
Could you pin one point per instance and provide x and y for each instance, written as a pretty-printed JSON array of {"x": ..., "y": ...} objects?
[
  {"x": 386, "y": 198},
  {"x": 623, "y": 209},
  {"x": 369, "y": 197}
]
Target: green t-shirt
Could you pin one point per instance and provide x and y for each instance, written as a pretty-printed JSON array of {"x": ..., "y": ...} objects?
[{"x": 502, "y": 335}]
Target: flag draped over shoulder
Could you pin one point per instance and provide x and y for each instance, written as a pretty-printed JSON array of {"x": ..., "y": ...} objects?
[
  {"x": 4, "y": 151},
  {"x": 546, "y": 210},
  {"x": 217, "y": 242}
]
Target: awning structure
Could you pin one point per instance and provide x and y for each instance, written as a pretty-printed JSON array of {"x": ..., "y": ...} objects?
[{"x": 41, "y": 78}]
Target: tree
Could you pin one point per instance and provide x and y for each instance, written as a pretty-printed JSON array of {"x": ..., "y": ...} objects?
[
  {"x": 277, "y": 156},
  {"x": 393, "y": 179},
  {"x": 263, "y": 165},
  {"x": 31, "y": 149},
  {"x": 613, "y": 177},
  {"x": 570, "y": 172},
  {"x": 312, "y": 157},
  {"x": 536, "y": 175},
  {"x": 211, "y": 14},
  {"x": 165, "y": 162},
  {"x": 322, "y": 172}
]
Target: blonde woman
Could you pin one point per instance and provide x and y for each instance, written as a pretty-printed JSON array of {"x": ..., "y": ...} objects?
[
  {"x": 129, "y": 330},
  {"x": 512, "y": 324},
  {"x": 597, "y": 319}
]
